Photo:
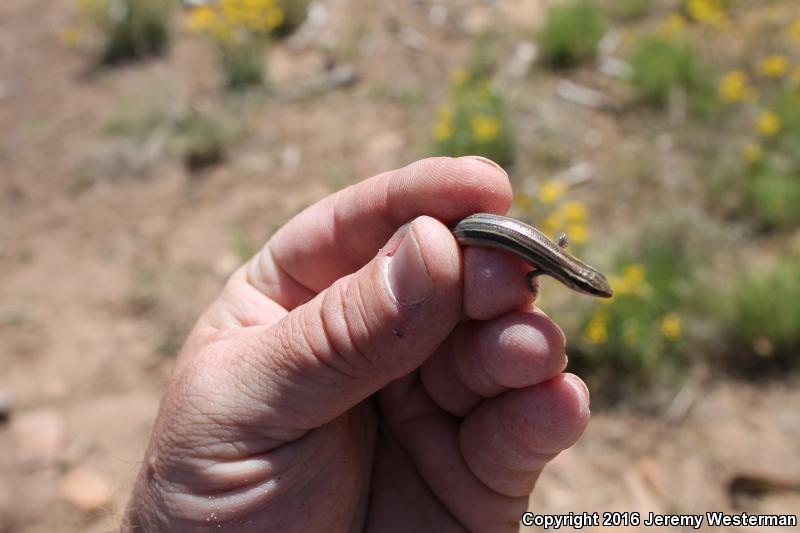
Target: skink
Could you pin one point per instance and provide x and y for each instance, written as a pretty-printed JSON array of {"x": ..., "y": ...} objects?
[{"x": 531, "y": 245}]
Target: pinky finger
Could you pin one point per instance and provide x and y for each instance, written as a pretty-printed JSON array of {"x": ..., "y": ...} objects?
[{"x": 508, "y": 440}]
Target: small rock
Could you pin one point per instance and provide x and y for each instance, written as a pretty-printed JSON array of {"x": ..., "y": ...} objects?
[
  {"x": 413, "y": 39},
  {"x": 291, "y": 157},
  {"x": 86, "y": 489},
  {"x": 437, "y": 15},
  {"x": 524, "y": 55},
  {"x": 40, "y": 436}
]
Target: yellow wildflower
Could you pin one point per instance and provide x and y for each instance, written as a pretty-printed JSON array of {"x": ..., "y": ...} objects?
[
  {"x": 634, "y": 275},
  {"x": 768, "y": 124},
  {"x": 734, "y": 87},
  {"x": 443, "y": 130},
  {"x": 577, "y": 232},
  {"x": 632, "y": 280},
  {"x": 202, "y": 19},
  {"x": 256, "y": 16},
  {"x": 551, "y": 191},
  {"x": 274, "y": 18},
  {"x": 553, "y": 224},
  {"x": 671, "y": 326},
  {"x": 574, "y": 211},
  {"x": 485, "y": 128},
  {"x": 753, "y": 152},
  {"x": 597, "y": 329},
  {"x": 675, "y": 25},
  {"x": 774, "y": 66},
  {"x": 459, "y": 76},
  {"x": 709, "y": 12}
]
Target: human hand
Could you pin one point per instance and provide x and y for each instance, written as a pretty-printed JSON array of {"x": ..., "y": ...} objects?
[{"x": 332, "y": 389}]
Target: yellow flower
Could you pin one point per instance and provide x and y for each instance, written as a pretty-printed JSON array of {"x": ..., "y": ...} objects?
[
  {"x": 459, "y": 76},
  {"x": 256, "y": 16},
  {"x": 551, "y": 191},
  {"x": 632, "y": 280},
  {"x": 671, "y": 326},
  {"x": 634, "y": 275},
  {"x": 574, "y": 211},
  {"x": 675, "y": 25},
  {"x": 753, "y": 152},
  {"x": 485, "y": 128},
  {"x": 553, "y": 224},
  {"x": 274, "y": 18},
  {"x": 597, "y": 329},
  {"x": 202, "y": 19},
  {"x": 443, "y": 130},
  {"x": 734, "y": 87},
  {"x": 577, "y": 233},
  {"x": 774, "y": 66},
  {"x": 709, "y": 12},
  {"x": 768, "y": 124}
]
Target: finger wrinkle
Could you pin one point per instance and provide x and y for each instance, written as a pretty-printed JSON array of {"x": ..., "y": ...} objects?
[
  {"x": 267, "y": 275},
  {"x": 342, "y": 345}
]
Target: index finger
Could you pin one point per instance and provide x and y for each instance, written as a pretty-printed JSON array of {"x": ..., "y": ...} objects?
[{"x": 342, "y": 232}]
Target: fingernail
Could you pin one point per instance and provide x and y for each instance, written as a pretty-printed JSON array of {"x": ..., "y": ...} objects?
[
  {"x": 407, "y": 274},
  {"x": 489, "y": 162},
  {"x": 579, "y": 386}
]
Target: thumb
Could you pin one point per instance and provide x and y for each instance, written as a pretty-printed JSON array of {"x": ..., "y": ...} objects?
[{"x": 352, "y": 339}]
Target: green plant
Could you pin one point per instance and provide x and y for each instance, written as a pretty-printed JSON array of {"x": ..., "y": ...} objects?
[
  {"x": 571, "y": 33},
  {"x": 630, "y": 9},
  {"x": 474, "y": 121},
  {"x": 240, "y": 29},
  {"x": 661, "y": 65},
  {"x": 772, "y": 192},
  {"x": 763, "y": 183},
  {"x": 295, "y": 12},
  {"x": 761, "y": 311},
  {"x": 639, "y": 337},
  {"x": 128, "y": 29},
  {"x": 135, "y": 123},
  {"x": 202, "y": 140}
]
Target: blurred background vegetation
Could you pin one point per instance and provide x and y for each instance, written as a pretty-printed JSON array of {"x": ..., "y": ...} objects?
[
  {"x": 705, "y": 265},
  {"x": 149, "y": 147}
]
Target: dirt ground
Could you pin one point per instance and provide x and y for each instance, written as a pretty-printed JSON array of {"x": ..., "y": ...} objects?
[{"x": 110, "y": 249}]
